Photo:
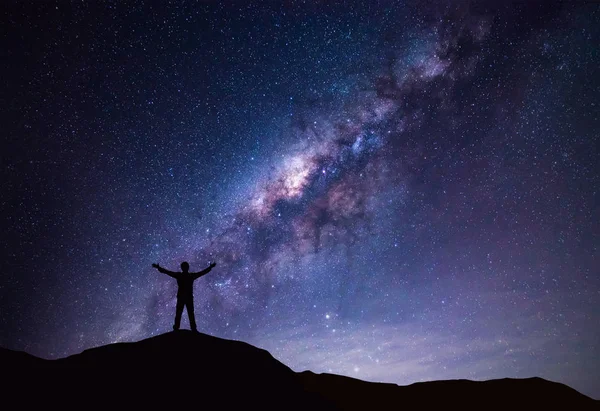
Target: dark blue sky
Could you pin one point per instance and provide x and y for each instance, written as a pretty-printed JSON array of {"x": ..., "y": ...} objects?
[{"x": 391, "y": 191}]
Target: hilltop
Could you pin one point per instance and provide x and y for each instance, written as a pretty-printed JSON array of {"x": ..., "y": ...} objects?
[{"x": 195, "y": 370}]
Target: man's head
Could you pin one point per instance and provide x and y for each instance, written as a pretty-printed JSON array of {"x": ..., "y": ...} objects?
[{"x": 185, "y": 267}]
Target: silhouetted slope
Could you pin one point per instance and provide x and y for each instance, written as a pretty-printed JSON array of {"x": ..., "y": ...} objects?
[
  {"x": 177, "y": 369},
  {"x": 17, "y": 359},
  {"x": 530, "y": 393},
  {"x": 194, "y": 370}
]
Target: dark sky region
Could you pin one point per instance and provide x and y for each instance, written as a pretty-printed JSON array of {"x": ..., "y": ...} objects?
[{"x": 392, "y": 191}]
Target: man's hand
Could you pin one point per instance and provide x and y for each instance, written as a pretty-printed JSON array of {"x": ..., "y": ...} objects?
[{"x": 155, "y": 265}]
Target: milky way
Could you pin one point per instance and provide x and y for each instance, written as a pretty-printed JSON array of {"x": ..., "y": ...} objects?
[{"x": 391, "y": 191}]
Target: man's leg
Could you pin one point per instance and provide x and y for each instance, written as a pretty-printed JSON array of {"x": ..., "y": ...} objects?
[
  {"x": 190, "y": 310},
  {"x": 178, "y": 312}
]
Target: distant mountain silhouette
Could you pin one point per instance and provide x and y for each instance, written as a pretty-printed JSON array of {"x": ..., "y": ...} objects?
[
  {"x": 507, "y": 393},
  {"x": 191, "y": 370}
]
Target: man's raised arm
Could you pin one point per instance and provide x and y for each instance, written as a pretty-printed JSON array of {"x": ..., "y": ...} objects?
[
  {"x": 165, "y": 271},
  {"x": 203, "y": 272}
]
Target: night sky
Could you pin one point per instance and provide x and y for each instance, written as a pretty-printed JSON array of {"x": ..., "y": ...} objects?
[{"x": 391, "y": 191}]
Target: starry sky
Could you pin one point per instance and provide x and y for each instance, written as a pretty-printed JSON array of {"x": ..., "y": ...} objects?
[{"x": 392, "y": 191}]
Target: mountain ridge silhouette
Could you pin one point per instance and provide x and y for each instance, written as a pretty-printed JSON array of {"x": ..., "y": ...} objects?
[{"x": 183, "y": 368}]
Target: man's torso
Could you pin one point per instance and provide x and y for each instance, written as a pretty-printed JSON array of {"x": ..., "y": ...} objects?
[{"x": 185, "y": 284}]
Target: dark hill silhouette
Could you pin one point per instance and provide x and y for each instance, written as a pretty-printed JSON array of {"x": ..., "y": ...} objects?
[
  {"x": 181, "y": 369},
  {"x": 507, "y": 393},
  {"x": 194, "y": 370}
]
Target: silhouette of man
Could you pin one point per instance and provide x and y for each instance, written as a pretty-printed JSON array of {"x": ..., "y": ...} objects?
[{"x": 185, "y": 291}]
